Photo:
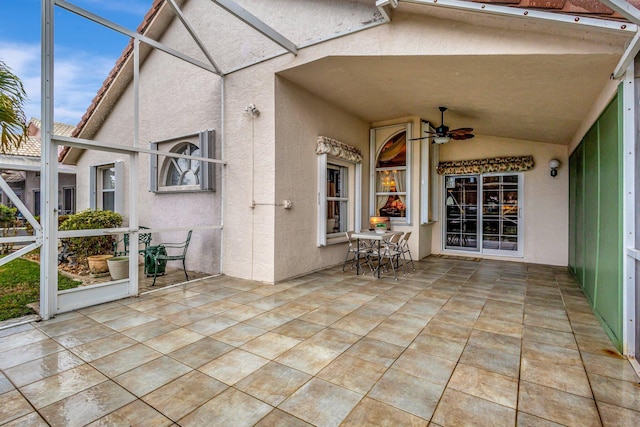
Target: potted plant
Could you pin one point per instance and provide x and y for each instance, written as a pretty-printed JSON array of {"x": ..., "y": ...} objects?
[{"x": 92, "y": 251}]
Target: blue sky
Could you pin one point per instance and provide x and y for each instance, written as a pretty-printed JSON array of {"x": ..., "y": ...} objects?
[{"x": 84, "y": 52}]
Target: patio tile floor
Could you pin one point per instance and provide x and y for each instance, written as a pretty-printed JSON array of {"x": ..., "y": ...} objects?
[{"x": 455, "y": 342}]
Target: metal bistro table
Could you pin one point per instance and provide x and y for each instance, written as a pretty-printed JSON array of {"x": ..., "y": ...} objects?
[{"x": 373, "y": 237}]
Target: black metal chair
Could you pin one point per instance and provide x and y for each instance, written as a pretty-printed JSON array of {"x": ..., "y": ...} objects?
[
  {"x": 178, "y": 252},
  {"x": 143, "y": 239}
]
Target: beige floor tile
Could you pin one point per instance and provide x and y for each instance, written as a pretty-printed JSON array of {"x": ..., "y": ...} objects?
[
  {"x": 616, "y": 392},
  {"x": 485, "y": 384},
  {"x": 27, "y": 353},
  {"x": 87, "y": 406},
  {"x": 217, "y": 307},
  {"x": 39, "y": 369},
  {"x": 187, "y": 317},
  {"x": 467, "y": 319},
  {"x": 448, "y": 330},
  {"x": 557, "y": 406},
  {"x": 612, "y": 367},
  {"x": 486, "y": 358},
  {"x": 359, "y": 324},
  {"x": 136, "y": 413},
  {"x": 334, "y": 339},
  {"x": 558, "y": 376},
  {"x": 174, "y": 340},
  {"x": 211, "y": 325},
  {"x": 528, "y": 420},
  {"x": 200, "y": 352},
  {"x": 269, "y": 320},
  {"x": 12, "y": 341},
  {"x": 150, "y": 330},
  {"x": 545, "y": 353},
  {"x": 399, "y": 329},
  {"x": 112, "y": 313},
  {"x": 299, "y": 329},
  {"x": 131, "y": 321},
  {"x": 242, "y": 312},
  {"x": 124, "y": 360},
  {"x": 549, "y": 336},
  {"x": 273, "y": 383},
  {"x": 615, "y": 416},
  {"x": 54, "y": 329},
  {"x": 151, "y": 375},
  {"x": 183, "y": 395},
  {"x": 230, "y": 408},
  {"x": 589, "y": 329},
  {"x": 324, "y": 316},
  {"x": 168, "y": 309},
  {"x": 238, "y": 334},
  {"x": 278, "y": 418},
  {"x": 233, "y": 366},
  {"x": 13, "y": 406},
  {"x": 460, "y": 409},
  {"x": 64, "y": 384},
  {"x": 408, "y": 393},
  {"x": 499, "y": 326},
  {"x": 30, "y": 420},
  {"x": 432, "y": 368},
  {"x": 353, "y": 373},
  {"x": 84, "y": 336},
  {"x": 375, "y": 351},
  {"x": 308, "y": 357},
  {"x": 372, "y": 413},
  {"x": 438, "y": 346},
  {"x": 99, "y": 348},
  {"x": 498, "y": 342},
  {"x": 5, "y": 384},
  {"x": 595, "y": 345},
  {"x": 270, "y": 345},
  {"x": 321, "y": 403}
]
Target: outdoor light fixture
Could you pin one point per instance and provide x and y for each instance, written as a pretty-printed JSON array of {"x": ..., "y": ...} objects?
[
  {"x": 252, "y": 110},
  {"x": 441, "y": 139},
  {"x": 554, "y": 165}
]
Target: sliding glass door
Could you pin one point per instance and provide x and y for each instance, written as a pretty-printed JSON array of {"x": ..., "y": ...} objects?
[{"x": 483, "y": 213}]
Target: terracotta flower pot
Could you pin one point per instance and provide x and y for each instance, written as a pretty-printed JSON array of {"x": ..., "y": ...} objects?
[{"x": 98, "y": 264}]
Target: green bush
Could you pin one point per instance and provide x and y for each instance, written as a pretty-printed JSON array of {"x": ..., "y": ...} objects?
[
  {"x": 29, "y": 227},
  {"x": 7, "y": 216},
  {"x": 87, "y": 220}
]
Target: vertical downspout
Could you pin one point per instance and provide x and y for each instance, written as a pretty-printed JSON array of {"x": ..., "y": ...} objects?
[
  {"x": 48, "y": 168},
  {"x": 629, "y": 289},
  {"x": 223, "y": 172}
]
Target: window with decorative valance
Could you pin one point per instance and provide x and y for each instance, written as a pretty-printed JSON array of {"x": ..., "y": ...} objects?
[
  {"x": 339, "y": 178},
  {"x": 490, "y": 165}
]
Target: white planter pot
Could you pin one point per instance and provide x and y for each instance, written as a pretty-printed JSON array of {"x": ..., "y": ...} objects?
[{"x": 119, "y": 267}]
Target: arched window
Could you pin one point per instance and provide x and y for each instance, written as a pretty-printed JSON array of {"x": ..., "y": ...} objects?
[
  {"x": 391, "y": 177},
  {"x": 182, "y": 171}
]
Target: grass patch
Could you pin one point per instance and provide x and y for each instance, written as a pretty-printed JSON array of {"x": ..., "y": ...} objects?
[{"x": 20, "y": 285}]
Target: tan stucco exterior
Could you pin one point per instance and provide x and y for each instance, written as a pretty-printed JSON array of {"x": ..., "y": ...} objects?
[{"x": 341, "y": 88}]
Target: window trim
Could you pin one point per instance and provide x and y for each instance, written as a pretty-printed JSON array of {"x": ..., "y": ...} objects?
[
  {"x": 354, "y": 198},
  {"x": 95, "y": 176},
  {"x": 206, "y": 145},
  {"x": 374, "y": 151}
]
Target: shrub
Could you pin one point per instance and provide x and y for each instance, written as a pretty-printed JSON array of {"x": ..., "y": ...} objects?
[
  {"x": 87, "y": 220},
  {"x": 7, "y": 216}
]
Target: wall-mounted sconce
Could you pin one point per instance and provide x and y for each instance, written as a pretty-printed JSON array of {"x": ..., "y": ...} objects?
[
  {"x": 554, "y": 165},
  {"x": 252, "y": 110}
]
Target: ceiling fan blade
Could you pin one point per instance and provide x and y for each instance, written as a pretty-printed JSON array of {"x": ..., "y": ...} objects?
[
  {"x": 460, "y": 131},
  {"x": 461, "y": 136}
]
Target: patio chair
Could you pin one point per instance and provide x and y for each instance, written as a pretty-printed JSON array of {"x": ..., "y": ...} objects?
[
  {"x": 404, "y": 246},
  {"x": 177, "y": 252},
  {"x": 356, "y": 251},
  {"x": 389, "y": 255},
  {"x": 143, "y": 239}
]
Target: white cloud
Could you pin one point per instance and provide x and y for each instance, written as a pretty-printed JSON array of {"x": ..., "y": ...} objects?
[{"x": 77, "y": 78}]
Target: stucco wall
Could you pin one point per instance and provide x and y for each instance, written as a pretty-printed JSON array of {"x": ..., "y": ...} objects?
[
  {"x": 546, "y": 199},
  {"x": 301, "y": 117}
]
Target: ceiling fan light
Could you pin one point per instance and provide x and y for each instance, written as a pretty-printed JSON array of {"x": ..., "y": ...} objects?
[{"x": 441, "y": 139}]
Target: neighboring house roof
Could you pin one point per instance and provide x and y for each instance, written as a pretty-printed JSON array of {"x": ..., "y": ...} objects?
[
  {"x": 591, "y": 8},
  {"x": 30, "y": 149},
  {"x": 12, "y": 177}
]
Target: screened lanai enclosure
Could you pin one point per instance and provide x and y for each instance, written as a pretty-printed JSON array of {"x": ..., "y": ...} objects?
[{"x": 267, "y": 130}]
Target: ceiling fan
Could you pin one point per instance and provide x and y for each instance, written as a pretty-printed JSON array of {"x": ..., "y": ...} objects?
[{"x": 442, "y": 134}]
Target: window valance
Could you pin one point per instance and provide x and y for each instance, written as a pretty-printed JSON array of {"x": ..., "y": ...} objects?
[
  {"x": 494, "y": 164},
  {"x": 338, "y": 149}
]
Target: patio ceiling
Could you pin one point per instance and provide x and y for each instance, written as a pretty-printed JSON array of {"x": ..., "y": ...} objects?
[{"x": 529, "y": 97}]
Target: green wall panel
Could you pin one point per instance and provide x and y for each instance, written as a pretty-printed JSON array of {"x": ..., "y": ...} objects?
[
  {"x": 595, "y": 233},
  {"x": 591, "y": 196},
  {"x": 609, "y": 284}
]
